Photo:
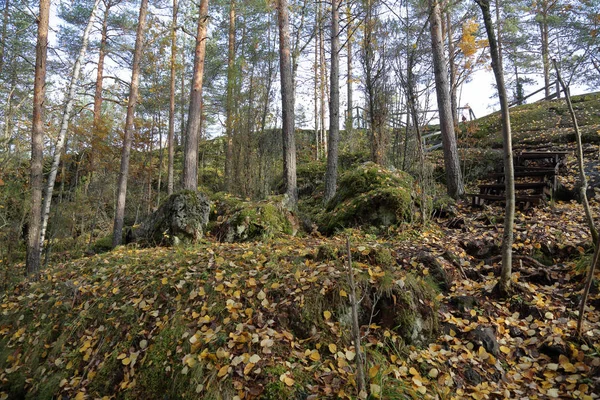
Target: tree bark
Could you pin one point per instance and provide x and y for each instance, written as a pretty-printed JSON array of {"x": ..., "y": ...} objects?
[
  {"x": 454, "y": 181},
  {"x": 229, "y": 102},
  {"x": 349, "y": 28},
  {"x": 452, "y": 68},
  {"x": 287, "y": 105},
  {"x": 173, "y": 77},
  {"x": 3, "y": 38},
  {"x": 64, "y": 125},
  {"x": 128, "y": 131},
  {"x": 190, "y": 160},
  {"x": 334, "y": 105},
  {"x": 96, "y": 131},
  {"x": 37, "y": 140},
  {"x": 582, "y": 178},
  {"x": 504, "y": 284}
]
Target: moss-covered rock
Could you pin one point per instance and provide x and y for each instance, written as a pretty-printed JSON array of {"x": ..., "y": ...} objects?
[
  {"x": 250, "y": 221},
  {"x": 181, "y": 218},
  {"x": 410, "y": 309},
  {"x": 369, "y": 195}
]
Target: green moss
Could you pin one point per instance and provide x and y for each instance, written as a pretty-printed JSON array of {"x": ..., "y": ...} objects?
[
  {"x": 369, "y": 195},
  {"x": 103, "y": 244},
  {"x": 157, "y": 374},
  {"x": 255, "y": 221}
]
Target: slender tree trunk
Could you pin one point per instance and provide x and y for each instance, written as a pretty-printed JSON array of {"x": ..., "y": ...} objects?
[
  {"x": 190, "y": 160},
  {"x": 583, "y": 183},
  {"x": 499, "y": 40},
  {"x": 128, "y": 131},
  {"x": 316, "y": 90},
  {"x": 229, "y": 102},
  {"x": 37, "y": 140},
  {"x": 543, "y": 25},
  {"x": 171, "y": 135},
  {"x": 64, "y": 125},
  {"x": 504, "y": 285},
  {"x": 96, "y": 127},
  {"x": 323, "y": 81},
  {"x": 3, "y": 38},
  {"x": 454, "y": 180},
  {"x": 287, "y": 105},
  {"x": 349, "y": 72},
  {"x": 334, "y": 104},
  {"x": 452, "y": 68},
  {"x": 160, "y": 160}
]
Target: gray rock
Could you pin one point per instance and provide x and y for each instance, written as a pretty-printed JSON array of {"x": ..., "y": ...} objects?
[
  {"x": 485, "y": 336},
  {"x": 182, "y": 218}
]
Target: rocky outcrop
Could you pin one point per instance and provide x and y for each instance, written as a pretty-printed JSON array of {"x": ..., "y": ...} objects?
[{"x": 182, "y": 218}]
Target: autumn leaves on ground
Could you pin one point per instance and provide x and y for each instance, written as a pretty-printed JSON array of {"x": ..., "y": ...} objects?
[{"x": 269, "y": 316}]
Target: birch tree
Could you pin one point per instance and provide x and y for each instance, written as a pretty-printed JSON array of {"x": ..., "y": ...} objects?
[{"x": 64, "y": 125}]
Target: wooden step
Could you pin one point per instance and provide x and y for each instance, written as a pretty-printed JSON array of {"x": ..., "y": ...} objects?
[
  {"x": 518, "y": 186},
  {"x": 526, "y": 201}
]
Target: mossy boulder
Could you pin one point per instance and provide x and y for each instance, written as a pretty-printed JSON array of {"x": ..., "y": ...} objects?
[
  {"x": 251, "y": 221},
  {"x": 409, "y": 308},
  {"x": 369, "y": 195},
  {"x": 182, "y": 218}
]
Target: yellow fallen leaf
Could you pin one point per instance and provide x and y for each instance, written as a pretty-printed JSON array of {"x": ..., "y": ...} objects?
[
  {"x": 327, "y": 314},
  {"x": 126, "y": 361},
  {"x": 287, "y": 379},
  {"x": 315, "y": 356},
  {"x": 343, "y": 293},
  {"x": 223, "y": 371},
  {"x": 248, "y": 368},
  {"x": 373, "y": 371},
  {"x": 164, "y": 281},
  {"x": 80, "y": 396},
  {"x": 115, "y": 291},
  {"x": 504, "y": 349},
  {"x": 332, "y": 348}
]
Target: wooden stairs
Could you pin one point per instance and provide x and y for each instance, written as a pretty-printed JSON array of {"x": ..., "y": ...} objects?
[{"x": 536, "y": 175}]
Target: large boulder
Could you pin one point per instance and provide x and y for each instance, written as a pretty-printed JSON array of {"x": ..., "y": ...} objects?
[
  {"x": 252, "y": 221},
  {"x": 182, "y": 218},
  {"x": 369, "y": 195}
]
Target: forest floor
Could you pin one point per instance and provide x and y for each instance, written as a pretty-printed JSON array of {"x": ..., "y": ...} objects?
[{"x": 269, "y": 320}]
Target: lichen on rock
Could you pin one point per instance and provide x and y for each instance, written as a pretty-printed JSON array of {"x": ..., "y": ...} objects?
[{"x": 182, "y": 218}]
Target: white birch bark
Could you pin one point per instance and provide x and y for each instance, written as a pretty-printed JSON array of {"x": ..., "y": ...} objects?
[{"x": 64, "y": 125}]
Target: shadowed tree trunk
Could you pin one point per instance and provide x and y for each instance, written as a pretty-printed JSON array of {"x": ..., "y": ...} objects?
[
  {"x": 334, "y": 105},
  {"x": 64, "y": 125},
  {"x": 454, "y": 181},
  {"x": 194, "y": 124},
  {"x": 128, "y": 132},
  {"x": 171, "y": 135},
  {"x": 287, "y": 105},
  {"x": 229, "y": 101},
  {"x": 349, "y": 29},
  {"x": 37, "y": 140},
  {"x": 504, "y": 285},
  {"x": 96, "y": 131}
]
